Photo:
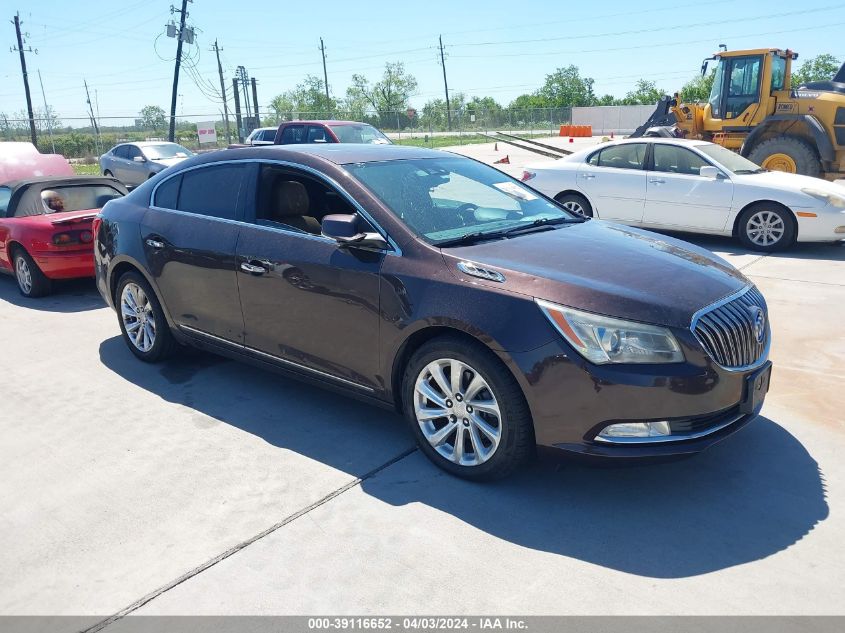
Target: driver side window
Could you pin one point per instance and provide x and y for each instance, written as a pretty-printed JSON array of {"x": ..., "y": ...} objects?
[{"x": 677, "y": 160}]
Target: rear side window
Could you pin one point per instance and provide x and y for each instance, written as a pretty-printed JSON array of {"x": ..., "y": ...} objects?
[
  {"x": 626, "y": 156},
  {"x": 292, "y": 134},
  {"x": 122, "y": 151},
  {"x": 317, "y": 134},
  {"x": 212, "y": 191},
  {"x": 167, "y": 194},
  {"x": 269, "y": 135}
]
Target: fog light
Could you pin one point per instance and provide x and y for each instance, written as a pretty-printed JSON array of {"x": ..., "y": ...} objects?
[
  {"x": 636, "y": 429},
  {"x": 839, "y": 229}
]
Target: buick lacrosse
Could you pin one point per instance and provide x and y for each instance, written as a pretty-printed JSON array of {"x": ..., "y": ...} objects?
[{"x": 491, "y": 317}]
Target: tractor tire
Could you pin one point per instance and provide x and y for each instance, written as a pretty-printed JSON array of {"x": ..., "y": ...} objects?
[{"x": 789, "y": 154}]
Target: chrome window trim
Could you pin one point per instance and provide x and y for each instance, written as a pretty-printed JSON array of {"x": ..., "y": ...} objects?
[
  {"x": 764, "y": 355},
  {"x": 277, "y": 359},
  {"x": 669, "y": 438},
  {"x": 284, "y": 163}
]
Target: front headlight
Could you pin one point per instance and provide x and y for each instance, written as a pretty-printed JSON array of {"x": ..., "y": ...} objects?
[
  {"x": 602, "y": 339},
  {"x": 833, "y": 199}
]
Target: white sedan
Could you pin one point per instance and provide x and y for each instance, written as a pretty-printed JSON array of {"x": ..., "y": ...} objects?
[{"x": 681, "y": 185}]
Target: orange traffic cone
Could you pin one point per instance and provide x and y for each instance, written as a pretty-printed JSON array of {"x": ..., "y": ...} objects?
[{"x": 503, "y": 161}]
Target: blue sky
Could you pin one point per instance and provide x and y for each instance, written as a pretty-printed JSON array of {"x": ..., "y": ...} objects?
[{"x": 496, "y": 47}]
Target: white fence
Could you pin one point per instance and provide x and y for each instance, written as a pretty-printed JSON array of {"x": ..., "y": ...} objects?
[{"x": 617, "y": 119}]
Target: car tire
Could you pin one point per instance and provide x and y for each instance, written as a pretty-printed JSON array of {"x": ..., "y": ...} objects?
[
  {"x": 488, "y": 412},
  {"x": 142, "y": 322},
  {"x": 108, "y": 174},
  {"x": 32, "y": 282},
  {"x": 575, "y": 203},
  {"x": 766, "y": 227},
  {"x": 786, "y": 150}
]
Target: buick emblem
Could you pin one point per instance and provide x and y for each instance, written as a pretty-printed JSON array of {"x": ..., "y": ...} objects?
[{"x": 758, "y": 318}]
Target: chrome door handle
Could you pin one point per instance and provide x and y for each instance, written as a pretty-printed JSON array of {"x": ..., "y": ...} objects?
[
  {"x": 657, "y": 181},
  {"x": 156, "y": 244},
  {"x": 252, "y": 269},
  {"x": 589, "y": 176}
]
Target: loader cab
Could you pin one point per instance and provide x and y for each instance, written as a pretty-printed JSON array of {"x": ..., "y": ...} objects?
[{"x": 745, "y": 88}]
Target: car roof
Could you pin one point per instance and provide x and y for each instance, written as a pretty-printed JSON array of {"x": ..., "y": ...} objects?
[
  {"x": 338, "y": 153},
  {"x": 146, "y": 143},
  {"x": 656, "y": 139},
  {"x": 325, "y": 122}
]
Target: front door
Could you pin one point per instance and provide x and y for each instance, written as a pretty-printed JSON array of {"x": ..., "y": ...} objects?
[
  {"x": 678, "y": 197},
  {"x": 305, "y": 300},
  {"x": 614, "y": 179},
  {"x": 189, "y": 238}
]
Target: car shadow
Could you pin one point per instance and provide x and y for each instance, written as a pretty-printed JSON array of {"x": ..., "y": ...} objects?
[
  {"x": 72, "y": 295},
  {"x": 754, "y": 495},
  {"x": 834, "y": 251}
]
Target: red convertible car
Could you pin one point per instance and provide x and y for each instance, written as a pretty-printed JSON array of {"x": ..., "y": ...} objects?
[{"x": 45, "y": 228}]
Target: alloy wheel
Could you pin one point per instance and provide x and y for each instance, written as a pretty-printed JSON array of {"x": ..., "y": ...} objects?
[
  {"x": 765, "y": 228},
  {"x": 24, "y": 275},
  {"x": 573, "y": 207},
  {"x": 138, "y": 318},
  {"x": 457, "y": 412}
]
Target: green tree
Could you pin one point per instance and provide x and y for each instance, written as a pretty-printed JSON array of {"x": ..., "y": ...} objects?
[
  {"x": 308, "y": 98},
  {"x": 698, "y": 90},
  {"x": 153, "y": 117},
  {"x": 645, "y": 93},
  {"x": 820, "y": 68},
  {"x": 607, "y": 100},
  {"x": 389, "y": 96},
  {"x": 565, "y": 87}
]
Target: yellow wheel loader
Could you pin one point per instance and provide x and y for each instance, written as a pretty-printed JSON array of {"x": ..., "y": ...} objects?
[{"x": 754, "y": 109}]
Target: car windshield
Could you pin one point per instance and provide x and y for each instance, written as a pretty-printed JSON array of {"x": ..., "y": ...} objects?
[
  {"x": 451, "y": 199},
  {"x": 166, "y": 150},
  {"x": 730, "y": 160},
  {"x": 359, "y": 133},
  {"x": 77, "y": 198}
]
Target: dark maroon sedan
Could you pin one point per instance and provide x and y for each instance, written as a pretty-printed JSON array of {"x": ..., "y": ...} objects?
[{"x": 491, "y": 317}]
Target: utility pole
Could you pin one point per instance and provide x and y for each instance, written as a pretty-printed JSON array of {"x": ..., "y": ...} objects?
[
  {"x": 91, "y": 114},
  {"x": 325, "y": 74},
  {"x": 255, "y": 102},
  {"x": 180, "y": 36},
  {"x": 243, "y": 77},
  {"x": 445, "y": 85},
  {"x": 47, "y": 112},
  {"x": 21, "y": 50},
  {"x": 237, "y": 109},
  {"x": 223, "y": 92}
]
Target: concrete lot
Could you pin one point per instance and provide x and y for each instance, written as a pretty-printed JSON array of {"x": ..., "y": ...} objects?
[{"x": 204, "y": 486}]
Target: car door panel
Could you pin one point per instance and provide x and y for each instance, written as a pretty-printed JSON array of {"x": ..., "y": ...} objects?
[
  {"x": 310, "y": 287},
  {"x": 677, "y": 197},
  {"x": 614, "y": 178}
]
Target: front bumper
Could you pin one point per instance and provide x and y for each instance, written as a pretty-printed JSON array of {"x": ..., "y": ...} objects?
[
  {"x": 572, "y": 401},
  {"x": 823, "y": 227}
]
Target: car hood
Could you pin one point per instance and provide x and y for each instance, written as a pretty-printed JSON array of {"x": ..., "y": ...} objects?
[
  {"x": 789, "y": 182},
  {"x": 607, "y": 269}
]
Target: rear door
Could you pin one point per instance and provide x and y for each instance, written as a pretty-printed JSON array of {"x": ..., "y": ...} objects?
[
  {"x": 678, "y": 197},
  {"x": 119, "y": 163},
  {"x": 614, "y": 179},
  {"x": 189, "y": 237}
]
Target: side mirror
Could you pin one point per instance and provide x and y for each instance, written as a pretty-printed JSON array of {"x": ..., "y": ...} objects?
[
  {"x": 343, "y": 228},
  {"x": 139, "y": 159},
  {"x": 708, "y": 171}
]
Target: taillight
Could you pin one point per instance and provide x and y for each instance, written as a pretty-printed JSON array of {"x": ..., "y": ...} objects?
[
  {"x": 67, "y": 238},
  {"x": 95, "y": 225},
  {"x": 527, "y": 175},
  {"x": 62, "y": 239},
  {"x": 85, "y": 237}
]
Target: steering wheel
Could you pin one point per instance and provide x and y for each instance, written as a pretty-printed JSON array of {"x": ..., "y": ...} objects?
[{"x": 466, "y": 210}]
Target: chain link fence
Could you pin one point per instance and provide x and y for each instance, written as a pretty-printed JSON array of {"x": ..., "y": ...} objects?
[{"x": 76, "y": 137}]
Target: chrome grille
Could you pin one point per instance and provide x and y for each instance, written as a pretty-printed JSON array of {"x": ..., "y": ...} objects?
[{"x": 728, "y": 331}]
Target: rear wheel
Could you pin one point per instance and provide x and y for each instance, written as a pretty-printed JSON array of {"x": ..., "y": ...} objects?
[
  {"x": 31, "y": 281},
  {"x": 467, "y": 412},
  {"x": 789, "y": 154},
  {"x": 767, "y": 227},
  {"x": 142, "y": 321},
  {"x": 108, "y": 174},
  {"x": 575, "y": 203}
]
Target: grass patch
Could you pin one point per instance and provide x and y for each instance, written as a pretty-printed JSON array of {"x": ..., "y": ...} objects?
[
  {"x": 451, "y": 141},
  {"x": 86, "y": 170}
]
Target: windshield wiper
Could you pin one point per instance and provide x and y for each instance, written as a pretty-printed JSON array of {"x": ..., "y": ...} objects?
[
  {"x": 473, "y": 238},
  {"x": 480, "y": 236},
  {"x": 743, "y": 172},
  {"x": 541, "y": 224}
]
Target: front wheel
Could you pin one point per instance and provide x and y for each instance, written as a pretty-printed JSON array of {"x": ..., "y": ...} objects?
[
  {"x": 766, "y": 227},
  {"x": 31, "y": 281},
  {"x": 575, "y": 203},
  {"x": 467, "y": 413},
  {"x": 142, "y": 321},
  {"x": 108, "y": 174}
]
